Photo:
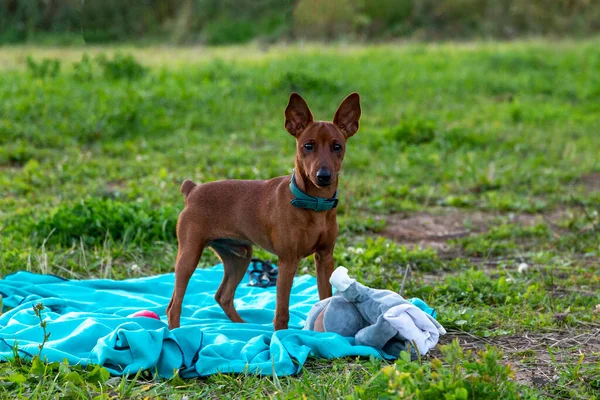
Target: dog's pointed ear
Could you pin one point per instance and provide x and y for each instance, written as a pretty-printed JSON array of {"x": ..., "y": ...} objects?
[
  {"x": 347, "y": 115},
  {"x": 297, "y": 115}
]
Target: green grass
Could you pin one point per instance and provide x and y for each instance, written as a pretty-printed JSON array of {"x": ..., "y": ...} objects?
[{"x": 93, "y": 150}]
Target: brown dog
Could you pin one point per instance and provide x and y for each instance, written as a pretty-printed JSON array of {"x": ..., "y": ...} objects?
[{"x": 289, "y": 220}]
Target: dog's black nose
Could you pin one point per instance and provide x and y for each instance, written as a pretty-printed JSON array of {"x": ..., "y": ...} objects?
[{"x": 323, "y": 177}]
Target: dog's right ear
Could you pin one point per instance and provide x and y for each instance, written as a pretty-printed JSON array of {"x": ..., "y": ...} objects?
[{"x": 297, "y": 115}]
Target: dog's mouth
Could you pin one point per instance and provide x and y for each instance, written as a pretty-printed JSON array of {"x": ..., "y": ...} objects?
[{"x": 322, "y": 185}]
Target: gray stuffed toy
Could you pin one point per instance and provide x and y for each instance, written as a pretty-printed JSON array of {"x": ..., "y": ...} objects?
[{"x": 378, "y": 318}]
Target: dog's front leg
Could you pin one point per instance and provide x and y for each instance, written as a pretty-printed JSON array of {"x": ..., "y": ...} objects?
[
  {"x": 287, "y": 270},
  {"x": 324, "y": 265}
]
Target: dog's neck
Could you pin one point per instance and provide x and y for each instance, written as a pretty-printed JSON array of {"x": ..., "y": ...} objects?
[{"x": 306, "y": 185}]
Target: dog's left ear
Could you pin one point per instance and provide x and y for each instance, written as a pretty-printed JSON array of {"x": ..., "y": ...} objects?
[{"x": 347, "y": 115}]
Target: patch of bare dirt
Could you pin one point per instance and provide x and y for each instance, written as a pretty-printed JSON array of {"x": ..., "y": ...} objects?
[
  {"x": 591, "y": 182},
  {"x": 529, "y": 353},
  {"x": 434, "y": 230},
  {"x": 526, "y": 219},
  {"x": 437, "y": 228}
]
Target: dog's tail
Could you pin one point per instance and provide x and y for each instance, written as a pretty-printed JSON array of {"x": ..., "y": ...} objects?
[{"x": 186, "y": 187}]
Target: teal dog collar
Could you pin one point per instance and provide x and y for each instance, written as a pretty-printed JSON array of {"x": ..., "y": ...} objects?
[{"x": 303, "y": 200}]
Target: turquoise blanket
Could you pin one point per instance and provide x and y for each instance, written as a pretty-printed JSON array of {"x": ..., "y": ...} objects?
[{"x": 88, "y": 324}]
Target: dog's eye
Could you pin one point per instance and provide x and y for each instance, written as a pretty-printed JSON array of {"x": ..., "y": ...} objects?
[
  {"x": 308, "y": 147},
  {"x": 337, "y": 147}
]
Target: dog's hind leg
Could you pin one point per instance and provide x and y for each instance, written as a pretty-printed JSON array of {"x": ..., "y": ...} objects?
[
  {"x": 187, "y": 260},
  {"x": 188, "y": 254},
  {"x": 236, "y": 259}
]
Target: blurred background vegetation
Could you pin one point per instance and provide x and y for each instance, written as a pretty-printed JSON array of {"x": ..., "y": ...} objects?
[{"x": 215, "y": 22}]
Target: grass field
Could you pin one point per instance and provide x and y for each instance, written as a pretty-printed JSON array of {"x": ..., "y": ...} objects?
[{"x": 477, "y": 164}]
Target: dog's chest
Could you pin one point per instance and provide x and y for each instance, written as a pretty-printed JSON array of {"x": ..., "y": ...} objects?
[{"x": 310, "y": 237}]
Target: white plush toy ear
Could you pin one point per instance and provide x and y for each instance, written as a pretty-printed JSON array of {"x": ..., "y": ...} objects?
[{"x": 340, "y": 279}]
